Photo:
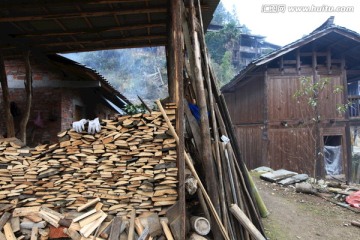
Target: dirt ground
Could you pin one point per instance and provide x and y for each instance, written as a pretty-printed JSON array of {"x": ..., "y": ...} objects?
[{"x": 301, "y": 216}]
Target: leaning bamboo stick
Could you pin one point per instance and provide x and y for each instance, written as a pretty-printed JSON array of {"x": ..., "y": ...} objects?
[
  {"x": 193, "y": 171},
  {"x": 244, "y": 220}
]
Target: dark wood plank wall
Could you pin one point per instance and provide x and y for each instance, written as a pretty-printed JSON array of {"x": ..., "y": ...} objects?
[
  {"x": 248, "y": 102},
  {"x": 283, "y": 105},
  {"x": 291, "y": 149},
  {"x": 250, "y": 144},
  {"x": 329, "y": 100}
]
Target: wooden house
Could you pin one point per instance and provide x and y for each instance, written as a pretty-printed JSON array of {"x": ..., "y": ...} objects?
[
  {"x": 247, "y": 47},
  {"x": 277, "y": 129},
  {"x": 63, "y": 92}
]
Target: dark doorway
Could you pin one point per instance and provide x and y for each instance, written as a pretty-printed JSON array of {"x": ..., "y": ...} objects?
[{"x": 333, "y": 155}]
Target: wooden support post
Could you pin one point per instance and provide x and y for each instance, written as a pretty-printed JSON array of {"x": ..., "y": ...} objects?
[
  {"x": 281, "y": 65},
  {"x": 347, "y": 160},
  {"x": 28, "y": 91},
  {"x": 328, "y": 60},
  {"x": 298, "y": 62},
  {"x": 9, "y": 120},
  {"x": 176, "y": 92}
]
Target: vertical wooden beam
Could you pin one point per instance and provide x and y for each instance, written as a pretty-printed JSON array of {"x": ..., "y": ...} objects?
[
  {"x": 328, "y": 60},
  {"x": 281, "y": 65},
  {"x": 265, "y": 130},
  {"x": 347, "y": 159},
  {"x": 9, "y": 120},
  {"x": 28, "y": 91},
  {"x": 298, "y": 61},
  {"x": 176, "y": 91}
]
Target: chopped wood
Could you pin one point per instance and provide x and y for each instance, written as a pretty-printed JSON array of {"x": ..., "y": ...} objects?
[
  {"x": 115, "y": 229},
  {"x": 30, "y": 225},
  {"x": 34, "y": 233},
  {"x": 90, "y": 218},
  {"x": 9, "y": 234},
  {"x": 49, "y": 219},
  {"x": 72, "y": 234},
  {"x": 79, "y": 172},
  {"x": 91, "y": 227},
  {"x": 4, "y": 218},
  {"x": 15, "y": 224},
  {"x": 88, "y": 204}
]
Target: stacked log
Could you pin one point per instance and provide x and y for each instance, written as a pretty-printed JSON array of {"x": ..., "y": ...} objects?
[{"x": 130, "y": 164}]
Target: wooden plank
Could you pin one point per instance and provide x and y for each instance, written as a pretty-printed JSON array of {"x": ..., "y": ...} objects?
[
  {"x": 34, "y": 233},
  {"x": 2, "y": 236},
  {"x": 52, "y": 213},
  {"x": 91, "y": 227},
  {"x": 9, "y": 234},
  {"x": 30, "y": 225},
  {"x": 73, "y": 234},
  {"x": 92, "y": 211},
  {"x": 115, "y": 229},
  {"x": 90, "y": 218},
  {"x": 88, "y": 204},
  {"x": 49, "y": 219},
  {"x": 15, "y": 224},
  {"x": 132, "y": 225},
  {"x": 4, "y": 218}
]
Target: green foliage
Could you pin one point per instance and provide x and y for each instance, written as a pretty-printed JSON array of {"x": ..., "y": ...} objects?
[
  {"x": 221, "y": 43},
  {"x": 309, "y": 91},
  {"x": 132, "y": 109}
]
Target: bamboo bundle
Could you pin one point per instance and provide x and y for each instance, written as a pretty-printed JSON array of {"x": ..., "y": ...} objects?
[{"x": 215, "y": 152}]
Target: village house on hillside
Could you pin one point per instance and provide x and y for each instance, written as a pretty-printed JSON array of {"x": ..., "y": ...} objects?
[
  {"x": 64, "y": 92},
  {"x": 275, "y": 129},
  {"x": 247, "y": 48}
]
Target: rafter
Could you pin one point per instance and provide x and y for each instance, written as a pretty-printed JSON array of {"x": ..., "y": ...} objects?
[
  {"x": 13, "y": 18},
  {"x": 23, "y": 3},
  {"x": 105, "y": 40},
  {"x": 90, "y": 31}
]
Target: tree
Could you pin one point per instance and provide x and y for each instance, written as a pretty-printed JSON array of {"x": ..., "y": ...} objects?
[
  {"x": 221, "y": 43},
  {"x": 311, "y": 93}
]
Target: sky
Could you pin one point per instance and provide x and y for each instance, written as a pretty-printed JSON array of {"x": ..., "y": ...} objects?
[{"x": 285, "y": 21}]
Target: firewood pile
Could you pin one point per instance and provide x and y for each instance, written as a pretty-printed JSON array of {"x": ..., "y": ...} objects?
[{"x": 128, "y": 169}]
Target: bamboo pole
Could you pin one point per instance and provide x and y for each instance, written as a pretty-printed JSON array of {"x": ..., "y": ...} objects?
[
  {"x": 193, "y": 171},
  {"x": 254, "y": 232},
  {"x": 211, "y": 176},
  {"x": 212, "y": 111}
]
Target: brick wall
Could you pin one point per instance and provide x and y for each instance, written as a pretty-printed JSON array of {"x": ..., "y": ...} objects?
[
  {"x": 54, "y": 108},
  {"x": 44, "y": 122}
]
